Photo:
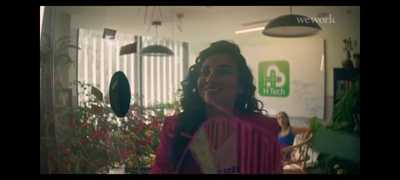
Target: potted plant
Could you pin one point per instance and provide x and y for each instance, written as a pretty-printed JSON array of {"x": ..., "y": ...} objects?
[
  {"x": 96, "y": 141},
  {"x": 339, "y": 141}
]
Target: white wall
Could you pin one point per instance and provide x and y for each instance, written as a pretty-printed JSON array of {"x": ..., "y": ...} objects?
[
  {"x": 346, "y": 24},
  {"x": 306, "y": 87},
  {"x": 41, "y": 19}
]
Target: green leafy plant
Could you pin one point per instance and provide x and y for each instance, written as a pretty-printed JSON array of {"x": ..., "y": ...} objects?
[
  {"x": 343, "y": 119},
  {"x": 339, "y": 141},
  {"x": 95, "y": 141}
]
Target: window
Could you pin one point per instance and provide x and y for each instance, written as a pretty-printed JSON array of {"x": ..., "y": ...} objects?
[{"x": 99, "y": 59}]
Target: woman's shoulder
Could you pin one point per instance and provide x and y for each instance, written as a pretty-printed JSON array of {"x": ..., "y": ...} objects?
[
  {"x": 258, "y": 117},
  {"x": 261, "y": 116},
  {"x": 263, "y": 121}
]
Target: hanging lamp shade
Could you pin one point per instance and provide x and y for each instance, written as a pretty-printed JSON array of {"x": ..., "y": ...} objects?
[
  {"x": 292, "y": 25},
  {"x": 157, "y": 50}
]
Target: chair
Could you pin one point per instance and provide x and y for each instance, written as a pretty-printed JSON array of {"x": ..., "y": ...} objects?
[{"x": 301, "y": 155}]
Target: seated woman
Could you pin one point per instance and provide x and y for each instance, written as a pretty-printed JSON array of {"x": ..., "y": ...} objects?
[{"x": 288, "y": 133}]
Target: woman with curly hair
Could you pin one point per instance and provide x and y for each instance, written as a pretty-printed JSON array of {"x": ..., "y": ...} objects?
[{"x": 222, "y": 128}]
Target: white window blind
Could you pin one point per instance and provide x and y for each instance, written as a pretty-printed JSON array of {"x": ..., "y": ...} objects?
[{"x": 99, "y": 59}]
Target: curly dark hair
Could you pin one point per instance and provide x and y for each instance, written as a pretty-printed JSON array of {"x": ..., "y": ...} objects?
[{"x": 194, "y": 111}]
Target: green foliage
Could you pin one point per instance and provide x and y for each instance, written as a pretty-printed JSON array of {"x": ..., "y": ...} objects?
[
  {"x": 343, "y": 119},
  {"x": 340, "y": 144},
  {"x": 330, "y": 164},
  {"x": 315, "y": 124},
  {"x": 95, "y": 140},
  {"x": 339, "y": 141}
]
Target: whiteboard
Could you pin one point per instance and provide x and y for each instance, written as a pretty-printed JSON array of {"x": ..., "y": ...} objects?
[{"x": 305, "y": 58}]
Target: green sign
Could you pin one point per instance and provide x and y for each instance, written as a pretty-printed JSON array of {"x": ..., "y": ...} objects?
[{"x": 273, "y": 78}]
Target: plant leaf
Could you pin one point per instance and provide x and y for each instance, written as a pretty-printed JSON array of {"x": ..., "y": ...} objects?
[{"x": 343, "y": 145}]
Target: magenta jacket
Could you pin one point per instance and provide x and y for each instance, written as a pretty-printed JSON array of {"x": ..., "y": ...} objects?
[{"x": 258, "y": 150}]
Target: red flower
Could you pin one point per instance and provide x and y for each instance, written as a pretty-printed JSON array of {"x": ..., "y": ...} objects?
[
  {"x": 82, "y": 142},
  {"x": 95, "y": 135},
  {"x": 98, "y": 135}
]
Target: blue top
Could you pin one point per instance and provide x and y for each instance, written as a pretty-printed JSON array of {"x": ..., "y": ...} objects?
[{"x": 288, "y": 139}]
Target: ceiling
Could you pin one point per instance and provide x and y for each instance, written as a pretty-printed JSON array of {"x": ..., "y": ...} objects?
[{"x": 200, "y": 24}]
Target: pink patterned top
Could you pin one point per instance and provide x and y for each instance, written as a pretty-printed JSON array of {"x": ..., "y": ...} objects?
[{"x": 245, "y": 145}]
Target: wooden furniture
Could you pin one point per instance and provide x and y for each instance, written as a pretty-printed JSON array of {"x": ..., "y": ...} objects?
[{"x": 299, "y": 155}]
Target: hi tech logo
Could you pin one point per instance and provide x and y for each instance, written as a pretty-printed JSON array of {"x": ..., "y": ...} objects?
[{"x": 273, "y": 78}]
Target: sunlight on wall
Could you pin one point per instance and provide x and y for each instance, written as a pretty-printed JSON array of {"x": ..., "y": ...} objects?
[{"x": 41, "y": 19}]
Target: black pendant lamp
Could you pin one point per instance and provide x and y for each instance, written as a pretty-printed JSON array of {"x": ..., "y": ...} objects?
[{"x": 292, "y": 25}]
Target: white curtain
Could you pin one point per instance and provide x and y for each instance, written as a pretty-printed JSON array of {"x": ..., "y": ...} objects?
[
  {"x": 162, "y": 75},
  {"x": 99, "y": 59}
]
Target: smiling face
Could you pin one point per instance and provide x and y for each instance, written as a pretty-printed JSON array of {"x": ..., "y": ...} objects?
[{"x": 218, "y": 81}]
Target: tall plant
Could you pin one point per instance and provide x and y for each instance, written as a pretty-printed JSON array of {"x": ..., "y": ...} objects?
[{"x": 339, "y": 141}]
